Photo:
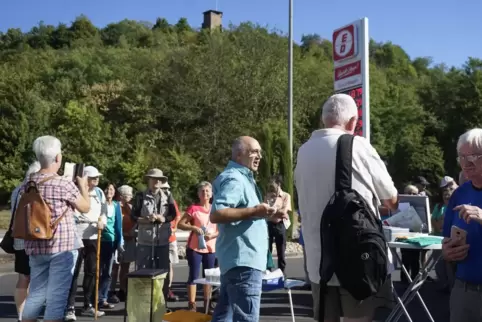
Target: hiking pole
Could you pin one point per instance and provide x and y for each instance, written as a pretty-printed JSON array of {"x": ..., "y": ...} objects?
[{"x": 97, "y": 271}]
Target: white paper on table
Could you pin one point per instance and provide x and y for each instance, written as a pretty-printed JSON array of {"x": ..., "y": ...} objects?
[
  {"x": 274, "y": 274},
  {"x": 403, "y": 206},
  {"x": 406, "y": 219}
]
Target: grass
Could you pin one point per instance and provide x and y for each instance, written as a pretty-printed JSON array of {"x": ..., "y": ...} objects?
[{"x": 4, "y": 219}]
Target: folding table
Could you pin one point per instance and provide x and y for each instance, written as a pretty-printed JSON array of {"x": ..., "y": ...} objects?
[
  {"x": 416, "y": 284},
  {"x": 288, "y": 285}
]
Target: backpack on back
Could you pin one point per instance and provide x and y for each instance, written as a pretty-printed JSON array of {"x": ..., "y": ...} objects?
[
  {"x": 33, "y": 216},
  {"x": 353, "y": 244}
]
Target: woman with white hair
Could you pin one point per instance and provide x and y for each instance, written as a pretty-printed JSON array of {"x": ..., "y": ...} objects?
[
  {"x": 464, "y": 210},
  {"x": 52, "y": 261},
  {"x": 22, "y": 266},
  {"x": 125, "y": 194}
]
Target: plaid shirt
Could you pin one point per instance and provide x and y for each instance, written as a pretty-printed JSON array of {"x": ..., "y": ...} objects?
[{"x": 60, "y": 193}]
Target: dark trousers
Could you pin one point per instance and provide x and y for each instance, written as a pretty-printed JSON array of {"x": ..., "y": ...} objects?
[
  {"x": 194, "y": 260},
  {"x": 277, "y": 235},
  {"x": 411, "y": 260},
  {"x": 88, "y": 254}
]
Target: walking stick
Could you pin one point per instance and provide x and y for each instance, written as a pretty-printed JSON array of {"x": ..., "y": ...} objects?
[{"x": 97, "y": 272}]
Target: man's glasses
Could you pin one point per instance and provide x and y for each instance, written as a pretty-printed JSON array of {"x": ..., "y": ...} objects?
[{"x": 468, "y": 158}]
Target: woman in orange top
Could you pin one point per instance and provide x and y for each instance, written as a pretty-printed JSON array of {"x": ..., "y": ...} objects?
[
  {"x": 129, "y": 255},
  {"x": 196, "y": 219}
]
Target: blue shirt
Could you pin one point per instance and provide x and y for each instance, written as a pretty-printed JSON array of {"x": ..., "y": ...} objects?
[
  {"x": 470, "y": 269},
  {"x": 241, "y": 243}
]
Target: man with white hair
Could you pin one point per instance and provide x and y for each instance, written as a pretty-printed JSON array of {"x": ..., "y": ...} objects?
[
  {"x": 52, "y": 261},
  {"x": 22, "y": 266},
  {"x": 315, "y": 183},
  {"x": 464, "y": 210}
]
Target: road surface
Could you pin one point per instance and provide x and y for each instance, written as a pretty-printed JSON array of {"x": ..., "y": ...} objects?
[{"x": 275, "y": 305}]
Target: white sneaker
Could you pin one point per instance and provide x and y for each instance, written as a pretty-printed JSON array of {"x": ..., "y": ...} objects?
[
  {"x": 91, "y": 312},
  {"x": 70, "y": 316}
]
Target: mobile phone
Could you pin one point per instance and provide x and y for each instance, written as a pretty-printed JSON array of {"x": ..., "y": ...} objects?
[
  {"x": 73, "y": 170},
  {"x": 458, "y": 234}
]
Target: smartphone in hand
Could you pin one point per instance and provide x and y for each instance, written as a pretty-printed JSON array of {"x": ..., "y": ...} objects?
[{"x": 459, "y": 235}]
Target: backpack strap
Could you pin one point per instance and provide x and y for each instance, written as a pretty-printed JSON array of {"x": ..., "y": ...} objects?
[
  {"x": 98, "y": 192},
  {"x": 14, "y": 208},
  {"x": 344, "y": 167},
  {"x": 57, "y": 221}
]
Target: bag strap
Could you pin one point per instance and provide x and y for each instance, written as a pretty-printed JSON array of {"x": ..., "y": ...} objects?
[
  {"x": 13, "y": 211},
  {"x": 57, "y": 221},
  {"x": 344, "y": 167}
]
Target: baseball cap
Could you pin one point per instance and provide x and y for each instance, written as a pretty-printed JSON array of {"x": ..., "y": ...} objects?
[
  {"x": 91, "y": 172},
  {"x": 446, "y": 181}
]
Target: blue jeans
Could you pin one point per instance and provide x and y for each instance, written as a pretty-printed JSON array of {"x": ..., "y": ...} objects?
[
  {"x": 107, "y": 250},
  {"x": 240, "y": 296},
  {"x": 50, "y": 280}
]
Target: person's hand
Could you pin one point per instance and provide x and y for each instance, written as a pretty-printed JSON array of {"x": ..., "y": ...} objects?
[
  {"x": 198, "y": 231},
  {"x": 469, "y": 213},
  {"x": 208, "y": 236},
  {"x": 120, "y": 248},
  {"x": 452, "y": 252},
  {"x": 264, "y": 210},
  {"x": 81, "y": 182},
  {"x": 160, "y": 218},
  {"x": 281, "y": 214},
  {"x": 151, "y": 218},
  {"x": 101, "y": 224}
]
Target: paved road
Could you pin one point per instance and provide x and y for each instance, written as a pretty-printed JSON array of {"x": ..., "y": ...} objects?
[{"x": 275, "y": 305}]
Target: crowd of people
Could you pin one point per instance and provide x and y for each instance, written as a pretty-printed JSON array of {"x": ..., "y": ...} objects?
[{"x": 233, "y": 226}]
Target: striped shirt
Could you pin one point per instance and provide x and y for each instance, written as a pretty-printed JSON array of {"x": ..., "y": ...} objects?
[{"x": 60, "y": 193}]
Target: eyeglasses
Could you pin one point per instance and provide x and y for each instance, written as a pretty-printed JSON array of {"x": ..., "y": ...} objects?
[
  {"x": 258, "y": 152},
  {"x": 468, "y": 158}
]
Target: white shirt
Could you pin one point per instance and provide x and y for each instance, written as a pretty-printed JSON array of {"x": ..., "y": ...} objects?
[
  {"x": 315, "y": 184},
  {"x": 87, "y": 228}
]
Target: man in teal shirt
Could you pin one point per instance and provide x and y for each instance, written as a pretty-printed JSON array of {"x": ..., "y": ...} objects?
[{"x": 242, "y": 244}]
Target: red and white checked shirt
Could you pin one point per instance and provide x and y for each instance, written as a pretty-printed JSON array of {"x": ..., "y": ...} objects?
[{"x": 60, "y": 193}]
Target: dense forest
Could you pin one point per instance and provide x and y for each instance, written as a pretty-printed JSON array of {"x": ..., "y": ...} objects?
[{"x": 134, "y": 95}]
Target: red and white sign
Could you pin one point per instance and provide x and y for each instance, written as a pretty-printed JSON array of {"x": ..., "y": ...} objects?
[
  {"x": 348, "y": 75},
  {"x": 345, "y": 43},
  {"x": 351, "y": 70}
]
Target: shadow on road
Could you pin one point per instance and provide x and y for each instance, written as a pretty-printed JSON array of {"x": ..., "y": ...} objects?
[{"x": 274, "y": 304}]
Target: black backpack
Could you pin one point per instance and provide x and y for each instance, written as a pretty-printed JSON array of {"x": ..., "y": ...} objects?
[{"x": 352, "y": 240}]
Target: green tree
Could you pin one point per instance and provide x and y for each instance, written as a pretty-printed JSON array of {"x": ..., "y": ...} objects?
[{"x": 286, "y": 167}]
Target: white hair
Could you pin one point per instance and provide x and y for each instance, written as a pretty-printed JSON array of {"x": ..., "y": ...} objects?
[
  {"x": 125, "y": 190},
  {"x": 473, "y": 138},
  {"x": 338, "y": 110},
  {"x": 34, "y": 167},
  {"x": 46, "y": 148}
]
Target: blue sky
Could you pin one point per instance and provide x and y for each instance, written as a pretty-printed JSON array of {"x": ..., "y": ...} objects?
[{"x": 447, "y": 31}]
